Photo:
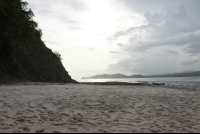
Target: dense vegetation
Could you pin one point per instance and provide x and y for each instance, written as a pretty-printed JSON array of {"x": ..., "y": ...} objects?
[
  {"x": 23, "y": 55},
  {"x": 16, "y": 28}
]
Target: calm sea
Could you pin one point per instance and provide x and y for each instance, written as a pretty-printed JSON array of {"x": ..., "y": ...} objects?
[{"x": 167, "y": 80}]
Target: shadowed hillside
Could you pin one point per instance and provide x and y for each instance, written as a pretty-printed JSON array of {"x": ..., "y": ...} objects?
[{"x": 23, "y": 55}]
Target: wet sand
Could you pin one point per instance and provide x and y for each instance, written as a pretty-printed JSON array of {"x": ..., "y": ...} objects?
[{"x": 98, "y": 108}]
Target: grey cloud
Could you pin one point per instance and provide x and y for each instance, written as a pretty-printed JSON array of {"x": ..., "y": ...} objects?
[
  {"x": 120, "y": 33},
  {"x": 178, "y": 25},
  {"x": 165, "y": 30},
  {"x": 130, "y": 30},
  {"x": 139, "y": 6},
  {"x": 114, "y": 52},
  {"x": 179, "y": 40},
  {"x": 168, "y": 25},
  {"x": 169, "y": 32},
  {"x": 189, "y": 63},
  {"x": 155, "y": 18},
  {"x": 133, "y": 38},
  {"x": 193, "y": 49},
  {"x": 146, "y": 65},
  {"x": 170, "y": 51},
  {"x": 154, "y": 63},
  {"x": 178, "y": 13},
  {"x": 120, "y": 44},
  {"x": 122, "y": 65},
  {"x": 153, "y": 5},
  {"x": 171, "y": 28}
]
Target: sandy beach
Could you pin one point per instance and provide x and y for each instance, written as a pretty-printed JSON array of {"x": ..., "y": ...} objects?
[{"x": 84, "y": 108}]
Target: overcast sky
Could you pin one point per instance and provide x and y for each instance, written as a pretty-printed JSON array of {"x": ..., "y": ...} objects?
[{"x": 121, "y": 36}]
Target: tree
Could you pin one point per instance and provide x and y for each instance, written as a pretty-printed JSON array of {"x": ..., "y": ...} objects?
[
  {"x": 16, "y": 20},
  {"x": 58, "y": 55},
  {"x": 17, "y": 23}
]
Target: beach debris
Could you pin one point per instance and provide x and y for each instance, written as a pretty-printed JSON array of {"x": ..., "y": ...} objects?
[{"x": 40, "y": 130}]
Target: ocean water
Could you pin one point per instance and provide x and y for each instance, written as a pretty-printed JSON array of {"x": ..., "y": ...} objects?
[{"x": 167, "y": 80}]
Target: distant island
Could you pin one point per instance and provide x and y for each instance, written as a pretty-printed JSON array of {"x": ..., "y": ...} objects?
[{"x": 119, "y": 75}]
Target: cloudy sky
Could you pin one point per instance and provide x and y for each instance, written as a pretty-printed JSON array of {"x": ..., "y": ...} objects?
[{"x": 121, "y": 36}]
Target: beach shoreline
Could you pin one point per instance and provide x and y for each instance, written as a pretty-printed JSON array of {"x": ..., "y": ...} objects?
[{"x": 61, "y": 107}]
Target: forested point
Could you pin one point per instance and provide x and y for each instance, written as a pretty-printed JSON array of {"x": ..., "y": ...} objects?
[
  {"x": 23, "y": 55},
  {"x": 17, "y": 28}
]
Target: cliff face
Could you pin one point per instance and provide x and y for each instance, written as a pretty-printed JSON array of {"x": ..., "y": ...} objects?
[{"x": 35, "y": 62}]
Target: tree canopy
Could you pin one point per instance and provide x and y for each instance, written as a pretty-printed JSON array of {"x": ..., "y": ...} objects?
[
  {"x": 17, "y": 28},
  {"x": 58, "y": 55},
  {"x": 16, "y": 20}
]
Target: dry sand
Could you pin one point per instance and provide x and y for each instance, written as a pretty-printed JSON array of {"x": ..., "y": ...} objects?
[{"x": 98, "y": 108}]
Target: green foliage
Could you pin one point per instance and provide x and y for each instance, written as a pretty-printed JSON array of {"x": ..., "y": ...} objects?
[
  {"x": 17, "y": 25},
  {"x": 16, "y": 20},
  {"x": 58, "y": 55},
  {"x": 38, "y": 33}
]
